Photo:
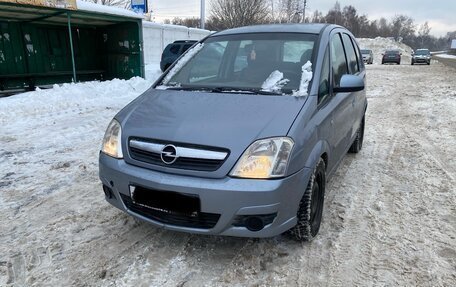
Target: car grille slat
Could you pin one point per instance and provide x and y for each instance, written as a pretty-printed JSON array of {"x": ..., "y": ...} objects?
[
  {"x": 188, "y": 163},
  {"x": 202, "y": 220}
]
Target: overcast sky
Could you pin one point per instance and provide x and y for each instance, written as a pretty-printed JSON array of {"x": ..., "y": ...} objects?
[{"x": 441, "y": 14}]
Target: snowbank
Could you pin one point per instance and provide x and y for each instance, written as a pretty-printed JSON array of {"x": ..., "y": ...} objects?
[
  {"x": 104, "y": 9},
  {"x": 379, "y": 45}
]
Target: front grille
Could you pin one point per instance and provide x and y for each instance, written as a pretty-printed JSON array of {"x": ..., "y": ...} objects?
[
  {"x": 172, "y": 217},
  {"x": 182, "y": 162}
]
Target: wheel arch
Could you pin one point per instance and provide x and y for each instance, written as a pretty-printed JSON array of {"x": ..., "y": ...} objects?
[{"x": 320, "y": 150}]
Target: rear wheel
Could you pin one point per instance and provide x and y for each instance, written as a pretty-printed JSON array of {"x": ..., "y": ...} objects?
[
  {"x": 311, "y": 205},
  {"x": 357, "y": 144}
]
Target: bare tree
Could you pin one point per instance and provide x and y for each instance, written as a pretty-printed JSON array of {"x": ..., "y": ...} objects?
[
  {"x": 236, "y": 13},
  {"x": 290, "y": 11}
]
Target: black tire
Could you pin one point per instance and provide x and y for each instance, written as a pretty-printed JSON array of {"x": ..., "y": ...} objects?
[
  {"x": 429, "y": 63},
  {"x": 413, "y": 63},
  {"x": 311, "y": 205},
  {"x": 357, "y": 144}
]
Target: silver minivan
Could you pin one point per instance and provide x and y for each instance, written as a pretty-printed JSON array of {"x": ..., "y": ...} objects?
[{"x": 240, "y": 135}]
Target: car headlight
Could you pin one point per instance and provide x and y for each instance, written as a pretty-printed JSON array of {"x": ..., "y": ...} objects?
[
  {"x": 266, "y": 158},
  {"x": 112, "y": 145}
]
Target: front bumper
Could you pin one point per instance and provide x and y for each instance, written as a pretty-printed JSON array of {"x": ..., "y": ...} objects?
[
  {"x": 421, "y": 60},
  {"x": 228, "y": 197}
]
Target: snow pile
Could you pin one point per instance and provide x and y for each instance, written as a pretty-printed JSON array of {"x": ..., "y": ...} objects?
[
  {"x": 446, "y": 56},
  {"x": 379, "y": 45},
  {"x": 182, "y": 61},
  {"x": 274, "y": 82},
  {"x": 305, "y": 80},
  {"x": 104, "y": 9}
]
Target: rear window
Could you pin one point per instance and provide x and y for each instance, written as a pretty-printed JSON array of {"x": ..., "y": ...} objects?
[
  {"x": 392, "y": 52},
  {"x": 246, "y": 61}
]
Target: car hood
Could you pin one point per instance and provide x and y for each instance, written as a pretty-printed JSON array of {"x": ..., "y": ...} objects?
[{"x": 220, "y": 120}]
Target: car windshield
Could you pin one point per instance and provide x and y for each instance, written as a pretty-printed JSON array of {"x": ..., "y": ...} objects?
[
  {"x": 392, "y": 52},
  {"x": 244, "y": 62},
  {"x": 365, "y": 51},
  {"x": 422, "y": 52}
]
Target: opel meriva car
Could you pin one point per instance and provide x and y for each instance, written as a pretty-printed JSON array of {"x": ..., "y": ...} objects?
[{"x": 241, "y": 133}]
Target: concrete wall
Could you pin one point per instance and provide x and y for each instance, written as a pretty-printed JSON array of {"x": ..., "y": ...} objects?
[{"x": 157, "y": 36}]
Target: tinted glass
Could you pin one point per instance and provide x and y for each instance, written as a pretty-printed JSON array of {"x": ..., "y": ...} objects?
[
  {"x": 186, "y": 47},
  {"x": 365, "y": 51},
  {"x": 174, "y": 49},
  {"x": 351, "y": 55},
  {"x": 392, "y": 52},
  {"x": 338, "y": 61},
  {"x": 323, "y": 88},
  {"x": 422, "y": 52},
  {"x": 246, "y": 61}
]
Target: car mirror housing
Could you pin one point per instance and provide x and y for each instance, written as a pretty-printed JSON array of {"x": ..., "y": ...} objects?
[{"x": 350, "y": 83}]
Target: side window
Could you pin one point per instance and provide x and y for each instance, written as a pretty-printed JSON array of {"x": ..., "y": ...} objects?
[
  {"x": 338, "y": 61},
  {"x": 323, "y": 87},
  {"x": 351, "y": 55},
  {"x": 359, "y": 57}
]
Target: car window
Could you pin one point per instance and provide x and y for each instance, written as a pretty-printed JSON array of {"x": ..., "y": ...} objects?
[
  {"x": 323, "y": 88},
  {"x": 351, "y": 55},
  {"x": 240, "y": 62},
  {"x": 174, "y": 49},
  {"x": 338, "y": 61},
  {"x": 207, "y": 65},
  {"x": 186, "y": 47},
  {"x": 247, "y": 62},
  {"x": 294, "y": 50}
]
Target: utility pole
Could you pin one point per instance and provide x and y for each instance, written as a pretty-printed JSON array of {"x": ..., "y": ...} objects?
[
  {"x": 203, "y": 12},
  {"x": 304, "y": 12}
]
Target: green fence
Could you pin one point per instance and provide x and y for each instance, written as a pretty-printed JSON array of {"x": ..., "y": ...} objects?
[{"x": 40, "y": 54}]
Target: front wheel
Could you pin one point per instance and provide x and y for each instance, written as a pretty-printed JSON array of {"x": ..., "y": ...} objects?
[{"x": 311, "y": 205}]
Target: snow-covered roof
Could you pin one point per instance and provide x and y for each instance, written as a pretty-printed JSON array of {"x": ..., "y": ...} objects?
[{"x": 103, "y": 9}]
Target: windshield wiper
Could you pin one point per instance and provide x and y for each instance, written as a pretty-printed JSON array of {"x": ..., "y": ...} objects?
[{"x": 232, "y": 90}]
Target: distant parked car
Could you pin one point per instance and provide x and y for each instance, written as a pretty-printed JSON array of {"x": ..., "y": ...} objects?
[
  {"x": 368, "y": 56},
  {"x": 391, "y": 56},
  {"x": 422, "y": 56},
  {"x": 240, "y": 137},
  {"x": 173, "y": 51}
]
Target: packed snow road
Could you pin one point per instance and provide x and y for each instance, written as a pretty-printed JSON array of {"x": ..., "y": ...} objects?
[{"x": 389, "y": 217}]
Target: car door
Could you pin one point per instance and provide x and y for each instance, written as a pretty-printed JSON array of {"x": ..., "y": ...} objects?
[
  {"x": 355, "y": 67},
  {"x": 342, "y": 121}
]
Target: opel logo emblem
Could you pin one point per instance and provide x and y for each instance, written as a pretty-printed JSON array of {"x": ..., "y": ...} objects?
[{"x": 168, "y": 154}]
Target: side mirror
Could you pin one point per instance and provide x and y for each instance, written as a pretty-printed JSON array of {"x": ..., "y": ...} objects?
[
  {"x": 349, "y": 83},
  {"x": 383, "y": 54},
  {"x": 400, "y": 54}
]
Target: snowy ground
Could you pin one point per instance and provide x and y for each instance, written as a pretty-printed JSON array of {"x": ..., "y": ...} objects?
[{"x": 389, "y": 216}]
